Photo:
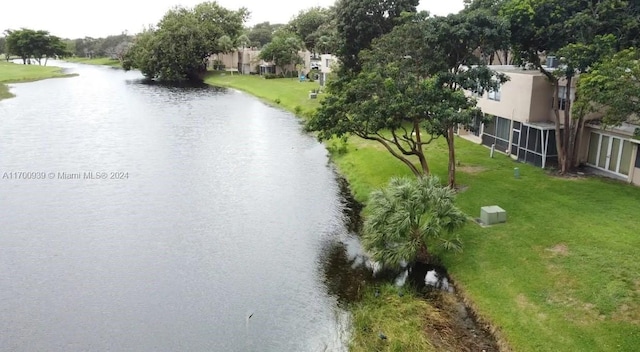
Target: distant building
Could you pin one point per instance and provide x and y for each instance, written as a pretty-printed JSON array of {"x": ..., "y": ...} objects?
[
  {"x": 247, "y": 61},
  {"x": 327, "y": 62}
]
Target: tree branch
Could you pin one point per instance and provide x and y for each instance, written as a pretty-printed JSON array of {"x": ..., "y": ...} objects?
[
  {"x": 406, "y": 139},
  {"x": 395, "y": 142},
  {"x": 404, "y": 160}
]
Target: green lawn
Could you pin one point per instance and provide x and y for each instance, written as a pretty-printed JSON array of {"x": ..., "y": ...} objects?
[
  {"x": 289, "y": 93},
  {"x": 563, "y": 274},
  {"x": 95, "y": 61},
  {"x": 15, "y": 73}
]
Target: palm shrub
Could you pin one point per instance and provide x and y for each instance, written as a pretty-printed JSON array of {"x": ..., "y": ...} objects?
[{"x": 408, "y": 217}]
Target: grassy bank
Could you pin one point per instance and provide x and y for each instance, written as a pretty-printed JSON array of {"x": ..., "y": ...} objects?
[
  {"x": 561, "y": 275},
  {"x": 16, "y": 73},
  {"x": 388, "y": 321},
  {"x": 95, "y": 61},
  {"x": 289, "y": 93}
]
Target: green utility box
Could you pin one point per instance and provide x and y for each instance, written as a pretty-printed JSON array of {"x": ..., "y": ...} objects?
[{"x": 492, "y": 214}]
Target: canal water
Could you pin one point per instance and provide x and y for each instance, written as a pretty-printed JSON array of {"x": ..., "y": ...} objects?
[{"x": 141, "y": 217}]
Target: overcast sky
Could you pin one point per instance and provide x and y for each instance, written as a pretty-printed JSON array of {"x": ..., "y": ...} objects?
[{"x": 78, "y": 18}]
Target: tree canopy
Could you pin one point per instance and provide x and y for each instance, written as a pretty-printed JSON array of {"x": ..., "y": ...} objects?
[
  {"x": 612, "y": 86},
  {"x": 179, "y": 47},
  {"x": 359, "y": 22},
  {"x": 411, "y": 88},
  {"x": 37, "y": 44},
  {"x": 311, "y": 24},
  {"x": 262, "y": 33},
  {"x": 283, "y": 50}
]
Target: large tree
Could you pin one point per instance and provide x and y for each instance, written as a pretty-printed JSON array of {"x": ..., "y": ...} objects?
[
  {"x": 309, "y": 25},
  {"x": 408, "y": 218},
  {"x": 550, "y": 27},
  {"x": 453, "y": 43},
  {"x": 54, "y": 47},
  {"x": 359, "y": 22},
  {"x": 20, "y": 43},
  {"x": 179, "y": 47},
  {"x": 612, "y": 86},
  {"x": 115, "y": 46},
  {"x": 283, "y": 50},
  {"x": 28, "y": 43},
  {"x": 262, "y": 33},
  {"x": 411, "y": 88}
]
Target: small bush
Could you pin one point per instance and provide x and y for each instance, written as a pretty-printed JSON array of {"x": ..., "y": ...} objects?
[
  {"x": 297, "y": 110},
  {"x": 270, "y": 76},
  {"x": 277, "y": 101}
]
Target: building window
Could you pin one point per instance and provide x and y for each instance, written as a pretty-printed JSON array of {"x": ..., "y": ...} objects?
[
  {"x": 503, "y": 126},
  {"x": 494, "y": 95},
  {"x": 638, "y": 157}
]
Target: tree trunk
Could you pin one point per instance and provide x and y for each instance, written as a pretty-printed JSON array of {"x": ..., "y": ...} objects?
[
  {"x": 420, "y": 151},
  {"x": 452, "y": 158},
  {"x": 556, "y": 114},
  {"x": 423, "y": 254},
  {"x": 568, "y": 130}
]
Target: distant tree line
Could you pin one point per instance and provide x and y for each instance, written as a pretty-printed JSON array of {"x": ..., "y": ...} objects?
[
  {"x": 113, "y": 46},
  {"x": 27, "y": 43}
]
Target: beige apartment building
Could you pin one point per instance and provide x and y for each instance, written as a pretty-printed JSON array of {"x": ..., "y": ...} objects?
[
  {"x": 241, "y": 61},
  {"x": 326, "y": 65},
  {"x": 247, "y": 61},
  {"x": 521, "y": 125}
]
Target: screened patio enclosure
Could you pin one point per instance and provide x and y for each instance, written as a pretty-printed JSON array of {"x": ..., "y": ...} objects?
[{"x": 533, "y": 143}]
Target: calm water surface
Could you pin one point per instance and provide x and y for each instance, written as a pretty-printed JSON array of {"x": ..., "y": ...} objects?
[{"x": 227, "y": 211}]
